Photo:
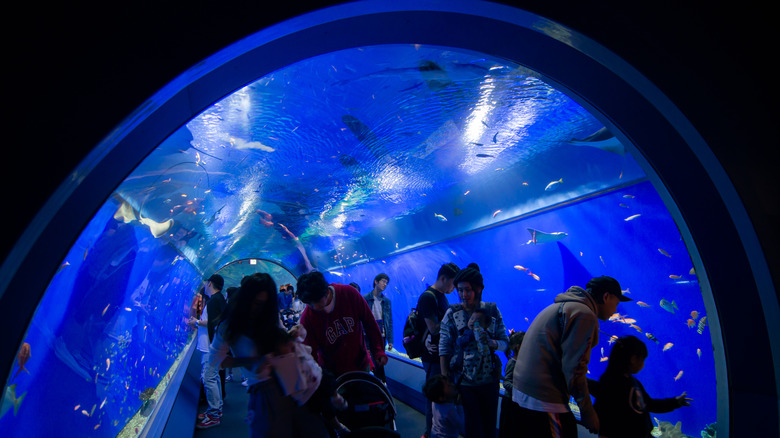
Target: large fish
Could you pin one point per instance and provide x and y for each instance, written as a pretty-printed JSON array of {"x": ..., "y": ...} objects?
[
  {"x": 601, "y": 139},
  {"x": 542, "y": 237},
  {"x": 11, "y": 400}
]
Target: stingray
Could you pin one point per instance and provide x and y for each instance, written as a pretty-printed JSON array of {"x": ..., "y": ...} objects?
[
  {"x": 538, "y": 237},
  {"x": 601, "y": 139}
]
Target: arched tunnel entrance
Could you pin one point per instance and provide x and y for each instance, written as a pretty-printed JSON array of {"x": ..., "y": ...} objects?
[{"x": 364, "y": 139}]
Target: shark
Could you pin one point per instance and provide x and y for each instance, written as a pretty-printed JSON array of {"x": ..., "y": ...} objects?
[{"x": 538, "y": 237}]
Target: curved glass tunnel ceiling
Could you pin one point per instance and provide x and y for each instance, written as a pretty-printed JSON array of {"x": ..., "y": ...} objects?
[
  {"x": 365, "y": 152},
  {"x": 391, "y": 159}
]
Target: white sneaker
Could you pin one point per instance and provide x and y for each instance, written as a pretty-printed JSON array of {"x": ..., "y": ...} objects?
[{"x": 244, "y": 382}]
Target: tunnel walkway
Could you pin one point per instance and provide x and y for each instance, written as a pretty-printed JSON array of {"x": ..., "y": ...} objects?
[{"x": 409, "y": 422}]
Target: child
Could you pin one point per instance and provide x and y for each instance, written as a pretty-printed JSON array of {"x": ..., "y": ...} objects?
[
  {"x": 622, "y": 404},
  {"x": 311, "y": 386},
  {"x": 506, "y": 424},
  {"x": 447, "y": 411}
]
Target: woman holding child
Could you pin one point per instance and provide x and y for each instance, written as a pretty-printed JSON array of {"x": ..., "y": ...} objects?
[
  {"x": 471, "y": 333},
  {"x": 248, "y": 331}
]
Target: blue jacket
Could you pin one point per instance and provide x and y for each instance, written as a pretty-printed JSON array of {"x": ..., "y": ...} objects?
[{"x": 387, "y": 314}]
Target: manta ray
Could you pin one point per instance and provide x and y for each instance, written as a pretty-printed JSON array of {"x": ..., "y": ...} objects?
[{"x": 542, "y": 237}]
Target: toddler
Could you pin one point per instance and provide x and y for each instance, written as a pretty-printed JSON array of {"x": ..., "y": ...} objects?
[
  {"x": 307, "y": 383},
  {"x": 447, "y": 410}
]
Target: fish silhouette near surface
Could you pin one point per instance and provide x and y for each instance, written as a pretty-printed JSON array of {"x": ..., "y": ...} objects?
[
  {"x": 22, "y": 357},
  {"x": 10, "y": 400},
  {"x": 538, "y": 237},
  {"x": 601, "y": 139}
]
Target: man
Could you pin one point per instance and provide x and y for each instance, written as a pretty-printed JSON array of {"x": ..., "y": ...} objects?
[
  {"x": 431, "y": 307},
  {"x": 552, "y": 363},
  {"x": 206, "y": 324},
  {"x": 285, "y": 297},
  {"x": 332, "y": 319},
  {"x": 383, "y": 314}
]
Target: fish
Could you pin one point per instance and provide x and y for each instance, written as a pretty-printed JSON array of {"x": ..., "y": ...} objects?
[
  {"x": 457, "y": 212},
  {"x": 630, "y": 218},
  {"x": 486, "y": 125},
  {"x": 615, "y": 317},
  {"x": 612, "y": 339},
  {"x": 626, "y": 291},
  {"x": 702, "y": 324},
  {"x": 108, "y": 364},
  {"x": 629, "y": 196},
  {"x": 669, "y": 307},
  {"x": 477, "y": 144},
  {"x": 604, "y": 359},
  {"x": 104, "y": 310},
  {"x": 536, "y": 277},
  {"x": 520, "y": 268},
  {"x": 675, "y": 277},
  {"x": 601, "y": 139},
  {"x": 495, "y": 137},
  {"x": 691, "y": 323},
  {"x": 484, "y": 156},
  {"x": 62, "y": 266},
  {"x": 698, "y": 352},
  {"x": 694, "y": 314},
  {"x": 628, "y": 321},
  {"x": 623, "y": 205},
  {"x": 652, "y": 338},
  {"x": 668, "y": 346},
  {"x": 84, "y": 411},
  {"x": 635, "y": 327},
  {"x": 602, "y": 261},
  {"x": 664, "y": 252},
  {"x": 678, "y": 376},
  {"x": 22, "y": 357},
  {"x": 10, "y": 400},
  {"x": 440, "y": 217},
  {"x": 495, "y": 213},
  {"x": 553, "y": 185},
  {"x": 77, "y": 407},
  {"x": 642, "y": 304},
  {"x": 692, "y": 272},
  {"x": 538, "y": 237},
  {"x": 103, "y": 403}
]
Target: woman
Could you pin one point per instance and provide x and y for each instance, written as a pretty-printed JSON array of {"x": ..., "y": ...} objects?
[
  {"x": 252, "y": 316},
  {"x": 471, "y": 333}
]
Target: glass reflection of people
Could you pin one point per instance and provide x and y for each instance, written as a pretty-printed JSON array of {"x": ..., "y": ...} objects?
[
  {"x": 383, "y": 314},
  {"x": 246, "y": 331}
]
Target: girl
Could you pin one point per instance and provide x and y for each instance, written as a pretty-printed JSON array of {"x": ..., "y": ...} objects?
[
  {"x": 247, "y": 331},
  {"x": 622, "y": 404}
]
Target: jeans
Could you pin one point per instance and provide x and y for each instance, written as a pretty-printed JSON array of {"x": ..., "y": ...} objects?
[
  {"x": 431, "y": 369},
  {"x": 211, "y": 384}
]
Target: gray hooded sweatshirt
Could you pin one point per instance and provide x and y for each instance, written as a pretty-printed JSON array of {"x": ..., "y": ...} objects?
[{"x": 552, "y": 364}]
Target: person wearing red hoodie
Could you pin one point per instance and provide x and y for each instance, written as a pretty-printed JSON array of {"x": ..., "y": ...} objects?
[{"x": 335, "y": 318}]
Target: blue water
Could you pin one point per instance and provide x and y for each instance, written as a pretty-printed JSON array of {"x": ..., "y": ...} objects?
[{"x": 392, "y": 159}]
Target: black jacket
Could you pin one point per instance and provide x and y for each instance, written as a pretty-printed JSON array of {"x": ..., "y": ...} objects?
[{"x": 215, "y": 306}]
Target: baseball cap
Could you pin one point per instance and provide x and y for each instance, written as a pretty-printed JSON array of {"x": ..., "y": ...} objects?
[
  {"x": 599, "y": 285},
  {"x": 217, "y": 281}
]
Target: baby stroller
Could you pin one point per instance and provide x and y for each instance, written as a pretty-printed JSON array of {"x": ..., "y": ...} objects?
[
  {"x": 289, "y": 318},
  {"x": 371, "y": 411}
]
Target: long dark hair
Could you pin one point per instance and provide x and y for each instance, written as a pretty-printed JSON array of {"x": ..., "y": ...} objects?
[
  {"x": 242, "y": 320},
  {"x": 620, "y": 356}
]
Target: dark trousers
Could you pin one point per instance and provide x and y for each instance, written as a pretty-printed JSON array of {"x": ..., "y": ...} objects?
[
  {"x": 536, "y": 424},
  {"x": 431, "y": 369},
  {"x": 480, "y": 409},
  {"x": 507, "y": 423}
]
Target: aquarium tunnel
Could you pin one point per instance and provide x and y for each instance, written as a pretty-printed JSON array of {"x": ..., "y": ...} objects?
[{"x": 372, "y": 138}]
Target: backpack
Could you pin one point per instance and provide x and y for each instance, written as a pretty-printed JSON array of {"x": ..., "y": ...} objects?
[{"x": 415, "y": 332}]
